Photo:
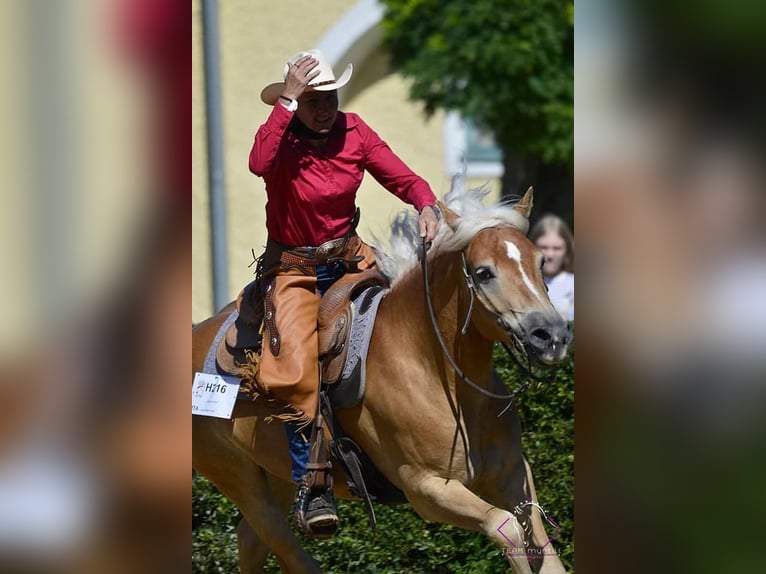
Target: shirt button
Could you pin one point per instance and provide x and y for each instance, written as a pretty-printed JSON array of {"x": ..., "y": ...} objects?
[
  {"x": 268, "y": 287},
  {"x": 269, "y": 315},
  {"x": 274, "y": 341}
]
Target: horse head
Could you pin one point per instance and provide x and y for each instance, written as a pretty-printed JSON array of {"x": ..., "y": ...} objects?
[{"x": 503, "y": 272}]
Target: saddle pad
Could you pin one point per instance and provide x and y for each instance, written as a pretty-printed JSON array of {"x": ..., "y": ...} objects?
[
  {"x": 210, "y": 367},
  {"x": 350, "y": 387}
]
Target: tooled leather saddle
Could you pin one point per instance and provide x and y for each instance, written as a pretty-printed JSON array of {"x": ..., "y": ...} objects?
[{"x": 244, "y": 336}]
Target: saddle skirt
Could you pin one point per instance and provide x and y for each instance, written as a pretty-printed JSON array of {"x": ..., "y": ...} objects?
[
  {"x": 346, "y": 319},
  {"x": 348, "y": 388}
]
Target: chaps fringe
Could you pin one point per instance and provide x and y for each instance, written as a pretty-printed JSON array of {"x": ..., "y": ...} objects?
[{"x": 254, "y": 388}]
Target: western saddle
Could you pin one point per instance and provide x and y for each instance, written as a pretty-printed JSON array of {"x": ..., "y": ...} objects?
[{"x": 245, "y": 335}]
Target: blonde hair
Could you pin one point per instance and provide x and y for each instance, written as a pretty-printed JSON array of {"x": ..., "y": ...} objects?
[{"x": 553, "y": 223}]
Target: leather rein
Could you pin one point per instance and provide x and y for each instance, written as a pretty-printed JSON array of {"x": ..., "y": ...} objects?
[{"x": 476, "y": 292}]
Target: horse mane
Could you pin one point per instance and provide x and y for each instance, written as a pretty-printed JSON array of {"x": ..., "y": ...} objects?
[{"x": 401, "y": 255}]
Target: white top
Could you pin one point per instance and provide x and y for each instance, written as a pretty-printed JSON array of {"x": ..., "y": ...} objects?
[{"x": 561, "y": 293}]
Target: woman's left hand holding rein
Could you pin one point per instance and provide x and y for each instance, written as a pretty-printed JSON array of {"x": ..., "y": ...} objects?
[{"x": 428, "y": 223}]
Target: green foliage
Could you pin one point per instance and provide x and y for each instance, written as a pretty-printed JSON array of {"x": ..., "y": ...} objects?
[
  {"x": 214, "y": 521},
  {"x": 404, "y": 543},
  {"x": 508, "y": 64},
  {"x": 547, "y": 439}
]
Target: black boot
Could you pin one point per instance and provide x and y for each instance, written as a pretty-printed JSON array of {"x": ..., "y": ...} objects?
[{"x": 315, "y": 513}]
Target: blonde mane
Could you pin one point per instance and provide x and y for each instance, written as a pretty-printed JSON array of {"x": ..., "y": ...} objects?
[{"x": 473, "y": 216}]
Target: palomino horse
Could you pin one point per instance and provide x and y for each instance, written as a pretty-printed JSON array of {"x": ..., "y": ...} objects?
[{"x": 430, "y": 433}]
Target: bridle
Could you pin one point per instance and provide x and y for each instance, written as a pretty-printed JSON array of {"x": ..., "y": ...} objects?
[{"x": 476, "y": 291}]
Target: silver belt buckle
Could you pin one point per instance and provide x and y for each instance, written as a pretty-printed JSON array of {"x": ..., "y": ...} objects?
[{"x": 329, "y": 248}]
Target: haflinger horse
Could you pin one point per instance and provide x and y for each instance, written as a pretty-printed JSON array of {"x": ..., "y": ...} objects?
[{"x": 450, "y": 448}]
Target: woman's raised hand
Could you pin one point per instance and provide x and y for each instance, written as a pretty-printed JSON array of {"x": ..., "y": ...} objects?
[{"x": 299, "y": 75}]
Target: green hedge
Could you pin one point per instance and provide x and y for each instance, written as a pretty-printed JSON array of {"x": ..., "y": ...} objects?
[{"x": 405, "y": 544}]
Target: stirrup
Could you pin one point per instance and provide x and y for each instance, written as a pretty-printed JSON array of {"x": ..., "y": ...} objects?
[{"x": 315, "y": 512}]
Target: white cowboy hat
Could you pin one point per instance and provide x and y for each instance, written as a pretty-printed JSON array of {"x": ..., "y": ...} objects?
[{"x": 324, "y": 82}]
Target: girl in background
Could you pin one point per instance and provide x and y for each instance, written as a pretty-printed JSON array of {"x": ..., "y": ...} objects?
[{"x": 553, "y": 237}]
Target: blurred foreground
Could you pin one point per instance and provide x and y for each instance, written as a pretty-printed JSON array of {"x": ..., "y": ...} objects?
[
  {"x": 94, "y": 418},
  {"x": 95, "y": 425},
  {"x": 671, "y": 286}
]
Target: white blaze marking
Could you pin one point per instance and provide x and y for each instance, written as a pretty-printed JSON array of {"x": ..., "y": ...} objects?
[{"x": 515, "y": 254}]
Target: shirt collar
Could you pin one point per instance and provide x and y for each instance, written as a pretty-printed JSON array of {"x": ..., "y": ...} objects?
[{"x": 344, "y": 122}]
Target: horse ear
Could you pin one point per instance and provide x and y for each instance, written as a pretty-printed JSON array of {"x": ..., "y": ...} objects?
[
  {"x": 450, "y": 217},
  {"x": 524, "y": 205}
]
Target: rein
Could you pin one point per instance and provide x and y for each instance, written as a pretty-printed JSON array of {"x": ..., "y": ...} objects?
[{"x": 526, "y": 369}]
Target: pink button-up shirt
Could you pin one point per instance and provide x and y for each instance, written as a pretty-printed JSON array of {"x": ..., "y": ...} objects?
[{"x": 312, "y": 193}]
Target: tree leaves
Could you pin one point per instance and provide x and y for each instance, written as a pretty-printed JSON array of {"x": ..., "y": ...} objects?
[{"x": 508, "y": 64}]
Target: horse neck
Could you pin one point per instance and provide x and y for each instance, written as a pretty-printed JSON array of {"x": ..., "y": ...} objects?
[{"x": 449, "y": 295}]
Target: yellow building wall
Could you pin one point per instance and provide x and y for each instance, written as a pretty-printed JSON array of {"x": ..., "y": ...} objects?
[{"x": 255, "y": 40}]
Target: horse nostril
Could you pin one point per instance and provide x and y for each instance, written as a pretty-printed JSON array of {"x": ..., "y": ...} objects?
[
  {"x": 546, "y": 333},
  {"x": 541, "y": 335}
]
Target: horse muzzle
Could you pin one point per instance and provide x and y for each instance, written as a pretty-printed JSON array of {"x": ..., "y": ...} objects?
[{"x": 547, "y": 337}]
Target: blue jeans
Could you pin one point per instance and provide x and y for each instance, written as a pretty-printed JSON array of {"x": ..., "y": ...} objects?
[
  {"x": 299, "y": 443},
  {"x": 327, "y": 275}
]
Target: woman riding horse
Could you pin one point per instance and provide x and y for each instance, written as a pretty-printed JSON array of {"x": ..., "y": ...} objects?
[
  {"x": 452, "y": 448},
  {"x": 313, "y": 158}
]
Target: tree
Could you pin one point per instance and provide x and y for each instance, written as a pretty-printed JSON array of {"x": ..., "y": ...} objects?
[{"x": 508, "y": 65}]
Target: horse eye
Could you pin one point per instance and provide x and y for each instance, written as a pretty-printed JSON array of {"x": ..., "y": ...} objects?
[{"x": 484, "y": 274}]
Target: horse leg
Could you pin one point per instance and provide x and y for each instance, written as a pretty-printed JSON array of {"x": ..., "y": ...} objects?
[
  {"x": 253, "y": 553},
  {"x": 273, "y": 533},
  {"x": 438, "y": 499},
  {"x": 229, "y": 466},
  {"x": 551, "y": 562}
]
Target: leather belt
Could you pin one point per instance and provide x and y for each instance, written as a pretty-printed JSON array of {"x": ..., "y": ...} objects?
[{"x": 327, "y": 250}]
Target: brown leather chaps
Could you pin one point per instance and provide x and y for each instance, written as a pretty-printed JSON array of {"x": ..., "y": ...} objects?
[{"x": 289, "y": 368}]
